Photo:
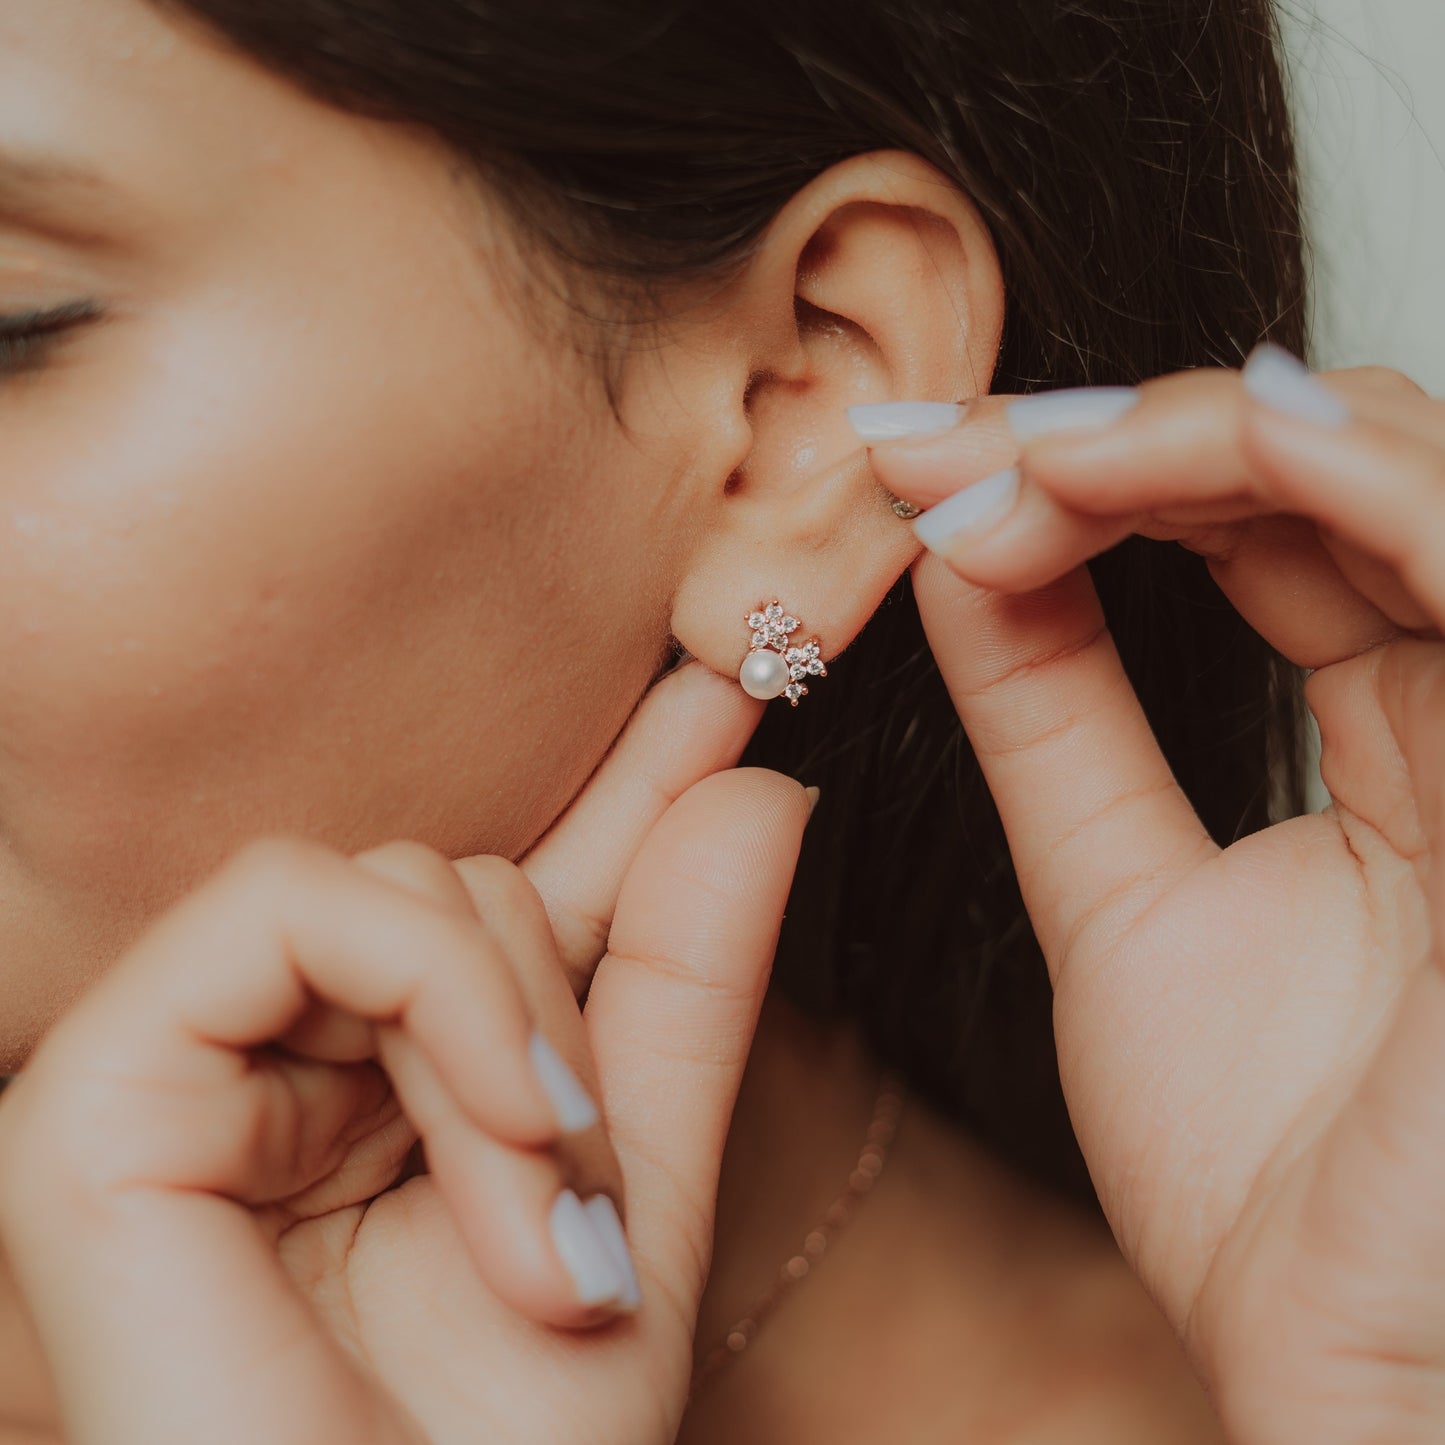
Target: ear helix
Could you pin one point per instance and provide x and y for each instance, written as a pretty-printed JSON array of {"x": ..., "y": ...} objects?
[{"x": 774, "y": 666}]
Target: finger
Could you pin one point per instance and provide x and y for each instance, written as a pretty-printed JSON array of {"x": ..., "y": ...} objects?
[
  {"x": 1386, "y": 395},
  {"x": 1375, "y": 480},
  {"x": 302, "y": 923},
  {"x": 1035, "y": 540},
  {"x": 1179, "y": 432},
  {"x": 546, "y": 1244},
  {"x": 693, "y": 723},
  {"x": 1177, "y": 466},
  {"x": 1289, "y": 586},
  {"x": 335, "y": 1035},
  {"x": 1277, "y": 571},
  {"x": 1382, "y": 380},
  {"x": 420, "y": 870},
  {"x": 675, "y": 1002},
  {"x": 1376, "y": 581},
  {"x": 159, "y": 1310},
  {"x": 1096, "y": 823},
  {"x": 513, "y": 911},
  {"x": 926, "y": 467},
  {"x": 494, "y": 894},
  {"x": 149, "y": 1121},
  {"x": 537, "y": 1250},
  {"x": 1374, "y": 484}
]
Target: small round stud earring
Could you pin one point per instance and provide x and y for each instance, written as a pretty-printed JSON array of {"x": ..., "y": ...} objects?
[{"x": 774, "y": 667}]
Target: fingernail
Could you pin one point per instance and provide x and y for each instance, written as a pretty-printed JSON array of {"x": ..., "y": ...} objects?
[
  {"x": 588, "y": 1257},
  {"x": 574, "y": 1106},
  {"x": 1282, "y": 381},
  {"x": 885, "y": 420},
  {"x": 971, "y": 509},
  {"x": 813, "y": 795},
  {"x": 608, "y": 1224},
  {"x": 1067, "y": 408}
]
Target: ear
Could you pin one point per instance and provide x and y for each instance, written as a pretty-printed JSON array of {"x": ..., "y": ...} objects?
[{"x": 877, "y": 282}]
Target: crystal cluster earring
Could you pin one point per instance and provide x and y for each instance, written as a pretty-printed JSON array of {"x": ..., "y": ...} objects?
[{"x": 774, "y": 667}]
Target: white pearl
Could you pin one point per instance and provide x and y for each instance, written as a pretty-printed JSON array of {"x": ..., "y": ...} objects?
[{"x": 763, "y": 674}]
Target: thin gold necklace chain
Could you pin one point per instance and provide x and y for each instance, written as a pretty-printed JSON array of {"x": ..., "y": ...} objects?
[{"x": 887, "y": 1107}]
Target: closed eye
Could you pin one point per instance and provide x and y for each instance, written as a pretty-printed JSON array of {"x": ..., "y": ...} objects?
[{"x": 27, "y": 337}]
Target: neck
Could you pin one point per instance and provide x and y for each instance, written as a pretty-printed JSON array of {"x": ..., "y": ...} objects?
[
  {"x": 803, "y": 1110},
  {"x": 927, "y": 1273},
  {"x": 802, "y": 1115}
]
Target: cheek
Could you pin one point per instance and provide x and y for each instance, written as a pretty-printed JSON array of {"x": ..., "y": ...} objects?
[{"x": 343, "y": 593}]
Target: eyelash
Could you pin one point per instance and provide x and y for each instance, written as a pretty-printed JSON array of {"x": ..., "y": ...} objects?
[{"x": 27, "y": 337}]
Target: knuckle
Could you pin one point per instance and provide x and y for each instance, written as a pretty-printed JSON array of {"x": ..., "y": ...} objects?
[
  {"x": 1383, "y": 379},
  {"x": 496, "y": 882},
  {"x": 410, "y": 851},
  {"x": 733, "y": 996},
  {"x": 1196, "y": 384},
  {"x": 420, "y": 869},
  {"x": 272, "y": 865},
  {"x": 1032, "y": 664},
  {"x": 498, "y": 875}
]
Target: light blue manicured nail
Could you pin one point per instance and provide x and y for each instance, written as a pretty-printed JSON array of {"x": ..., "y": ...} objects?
[
  {"x": 574, "y": 1107},
  {"x": 983, "y": 502},
  {"x": 608, "y": 1224},
  {"x": 588, "y": 1257},
  {"x": 885, "y": 420},
  {"x": 1067, "y": 408},
  {"x": 1279, "y": 380}
]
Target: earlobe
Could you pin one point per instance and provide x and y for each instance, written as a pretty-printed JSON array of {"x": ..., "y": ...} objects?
[{"x": 878, "y": 281}]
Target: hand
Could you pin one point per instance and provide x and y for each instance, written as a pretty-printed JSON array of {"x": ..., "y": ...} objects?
[
  {"x": 200, "y": 1193},
  {"x": 1251, "y": 1040}
]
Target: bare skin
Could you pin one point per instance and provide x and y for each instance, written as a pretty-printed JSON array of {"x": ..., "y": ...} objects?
[
  {"x": 359, "y": 621},
  {"x": 326, "y": 526},
  {"x": 320, "y": 527},
  {"x": 961, "y": 1302}
]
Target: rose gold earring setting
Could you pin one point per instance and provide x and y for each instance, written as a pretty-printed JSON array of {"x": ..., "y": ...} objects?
[{"x": 774, "y": 667}]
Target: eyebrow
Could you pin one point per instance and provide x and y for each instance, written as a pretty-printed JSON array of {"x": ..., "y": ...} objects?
[{"x": 52, "y": 196}]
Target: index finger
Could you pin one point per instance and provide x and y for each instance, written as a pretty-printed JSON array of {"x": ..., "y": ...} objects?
[
  {"x": 934, "y": 448},
  {"x": 693, "y": 723}
]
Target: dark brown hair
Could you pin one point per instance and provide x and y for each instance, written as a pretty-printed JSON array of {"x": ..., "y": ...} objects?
[{"x": 1134, "y": 162}]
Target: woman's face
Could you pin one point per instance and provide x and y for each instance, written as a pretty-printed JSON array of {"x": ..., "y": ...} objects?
[{"x": 314, "y": 530}]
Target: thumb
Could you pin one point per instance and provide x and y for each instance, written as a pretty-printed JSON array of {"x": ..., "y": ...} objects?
[{"x": 675, "y": 1001}]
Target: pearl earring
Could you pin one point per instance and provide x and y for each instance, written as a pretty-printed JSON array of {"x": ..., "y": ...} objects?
[{"x": 774, "y": 667}]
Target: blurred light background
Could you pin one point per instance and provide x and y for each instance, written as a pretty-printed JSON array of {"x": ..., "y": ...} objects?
[
  {"x": 1369, "y": 105},
  {"x": 1370, "y": 112}
]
